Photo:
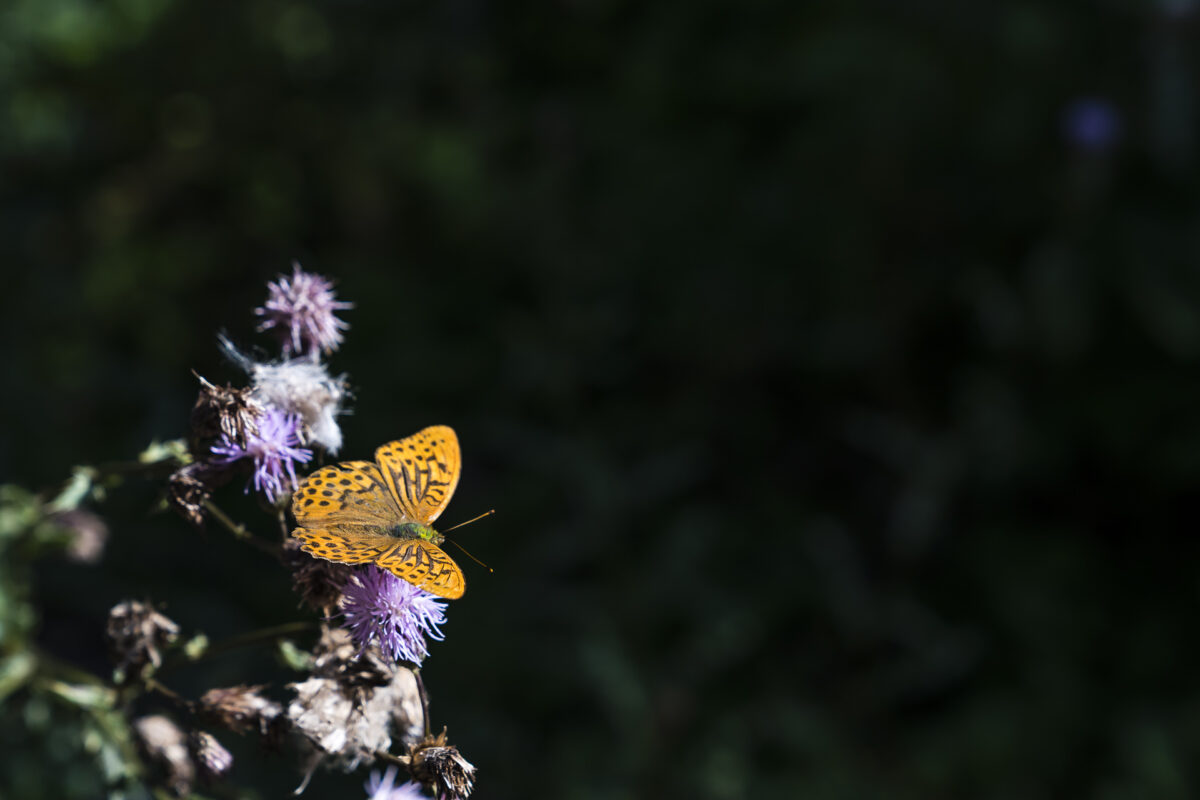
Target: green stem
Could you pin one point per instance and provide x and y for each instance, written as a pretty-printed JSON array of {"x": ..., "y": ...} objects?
[
  {"x": 240, "y": 531},
  {"x": 241, "y": 640},
  {"x": 254, "y": 637},
  {"x": 236, "y": 528}
]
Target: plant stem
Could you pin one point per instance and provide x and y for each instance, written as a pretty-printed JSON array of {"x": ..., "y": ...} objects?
[
  {"x": 240, "y": 531},
  {"x": 241, "y": 640},
  {"x": 253, "y": 637},
  {"x": 236, "y": 528},
  {"x": 416, "y": 671},
  {"x": 403, "y": 761},
  {"x": 154, "y": 685}
]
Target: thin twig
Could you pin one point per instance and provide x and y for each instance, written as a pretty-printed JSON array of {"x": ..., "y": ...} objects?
[
  {"x": 236, "y": 528},
  {"x": 403, "y": 761},
  {"x": 253, "y": 637},
  {"x": 241, "y": 531},
  {"x": 154, "y": 685},
  {"x": 416, "y": 671},
  {"x": 241, "y": 640}
]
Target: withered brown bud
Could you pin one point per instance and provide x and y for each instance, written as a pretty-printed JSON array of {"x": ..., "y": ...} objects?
[
  {"x": 165, "y": 749},
  {"x": 240, "y": 709},
  {"x": 212, "y": 760},
  {"x": 221, "y": 410},
  {"x": 318, "y": 582},
  {"x": 135, "y": 633},
  {"x": 436, "y": 763},
  {"x": 189, "y": 488}
]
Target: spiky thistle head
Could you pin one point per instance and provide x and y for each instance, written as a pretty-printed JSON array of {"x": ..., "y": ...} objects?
[{"x": 300, "y": 310}]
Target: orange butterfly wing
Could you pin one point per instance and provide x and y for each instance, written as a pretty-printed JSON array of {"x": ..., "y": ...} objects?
[
  {"x": 344, "y": 509},
  {"x": 426, "y": 566},
  {"x": 344, "y": 546},
  {"x": 350, "y": 494},
  {"x": 422, "y": 471}
]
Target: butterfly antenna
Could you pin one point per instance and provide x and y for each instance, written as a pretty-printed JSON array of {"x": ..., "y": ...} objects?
[
  {"x": 473, "y": 558},
  {"x": 468, "y": 522}
]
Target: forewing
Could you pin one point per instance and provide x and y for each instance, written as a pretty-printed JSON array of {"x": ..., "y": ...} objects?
[
  {"x": 422, "y": 471},
  {"x": 426, "y": 566},
  {"x": 352, "y": 494},
  {"x": 345, "y": 547}
]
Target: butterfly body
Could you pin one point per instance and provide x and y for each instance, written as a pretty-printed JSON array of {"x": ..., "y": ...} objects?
[
  {"x": 359, "y": 512},
  {"x": 415, "y": 530}
]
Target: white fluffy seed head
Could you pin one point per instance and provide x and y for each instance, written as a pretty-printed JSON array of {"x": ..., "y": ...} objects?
[
  {"x": 299, "y": 386},
  {"x": 303, "y": 387}
]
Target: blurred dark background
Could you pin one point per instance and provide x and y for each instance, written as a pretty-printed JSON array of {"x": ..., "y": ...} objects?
[{"x": 832, "y": 367}]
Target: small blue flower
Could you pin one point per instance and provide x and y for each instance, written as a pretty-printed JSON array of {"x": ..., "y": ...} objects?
[
  {"x": 379, "y": 607},
  {"x": 382, "y": 787},
  {"x": 275, "y": 449},
  {"x": 300, "y": 310}
]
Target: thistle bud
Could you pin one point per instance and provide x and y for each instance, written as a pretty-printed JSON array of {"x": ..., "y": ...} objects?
[
  {"x": 135, "y": 634},
  {"x": 240, "y": 709}
]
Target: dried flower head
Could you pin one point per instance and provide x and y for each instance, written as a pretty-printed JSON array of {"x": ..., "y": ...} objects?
[
  {"x": 298, "y": 386},
  {"x": 240, "y": 709},
  {"x": 304, "y": 388},
  {"x": 383, "y": 787},
  {"x": 319, "y": 582},
  {"x": 222, "y": 410},
  {"x": 380, "y": 608},
  {"x": 436, "y": 763},
  {"x": 301, "y": 310},
  {"x": 88, "y": 534},
  {"x": 190, "y": 487},
  {"x": 165, "y": 749},
  {"x": 349, "y": 724},
  {"x": 212, "y": 759},
  {"x": 274, "y": 448},
  {"x": 135, "y": 634}
]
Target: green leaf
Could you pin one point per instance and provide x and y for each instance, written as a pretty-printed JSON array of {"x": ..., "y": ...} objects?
[
  {"x": 196, "y": 646},
  {"x": 78, "y": 487},
  {"x": 96, "y": 698},
  {"x": 15, "y": 671},
  {"x": 293, "y": 657}
]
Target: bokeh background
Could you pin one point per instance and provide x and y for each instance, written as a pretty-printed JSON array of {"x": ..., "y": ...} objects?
[{"x": 833, "y": 367}]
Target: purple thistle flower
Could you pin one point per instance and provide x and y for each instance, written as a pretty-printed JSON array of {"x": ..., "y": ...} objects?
[
  {"x": 382, "y": 787},
  {"x": 379, "y": 607},
  {"x": 300, "y": 309},
  {"x": 274, "y": 449}
]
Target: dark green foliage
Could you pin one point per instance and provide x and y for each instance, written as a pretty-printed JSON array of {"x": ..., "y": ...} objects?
[{"x": 842, "y": 419}]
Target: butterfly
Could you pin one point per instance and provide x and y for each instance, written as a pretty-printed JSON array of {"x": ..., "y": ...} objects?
[{"x": 358, "y": 512}]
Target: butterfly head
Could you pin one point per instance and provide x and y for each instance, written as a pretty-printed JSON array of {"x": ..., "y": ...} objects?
[{"x": 415, "y": 530}]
